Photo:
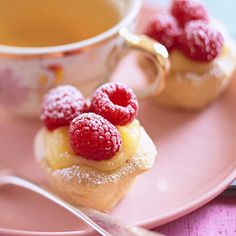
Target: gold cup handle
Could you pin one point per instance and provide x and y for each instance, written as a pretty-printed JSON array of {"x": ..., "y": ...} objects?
[{"x": 156, "y": 53}]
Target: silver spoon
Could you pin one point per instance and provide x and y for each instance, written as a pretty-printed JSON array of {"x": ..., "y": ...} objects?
[{"x": 102, "y": 223}]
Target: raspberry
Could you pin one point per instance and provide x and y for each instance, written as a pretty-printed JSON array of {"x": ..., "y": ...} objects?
[
  {"x": 188, "y": 10},
  {"x": 164, "y": 29},
  {"x": 61, "y": 105},
  {"x": 93, "y": 137},
  {"x": 115, "y": 102},
  {"x": 201, "y": 42}
]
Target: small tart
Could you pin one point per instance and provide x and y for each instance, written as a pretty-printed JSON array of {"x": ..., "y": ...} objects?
[
  {"x": 192, "y": 84},
  {"x": 91, "y": 162},
  {"x": 87, "y": 186}
]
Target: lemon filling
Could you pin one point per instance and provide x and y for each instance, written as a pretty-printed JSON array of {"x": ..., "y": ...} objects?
[{"x": 59, "y": 153}]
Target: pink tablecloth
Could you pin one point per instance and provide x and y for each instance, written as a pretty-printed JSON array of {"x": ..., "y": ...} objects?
[{"x": 217, "y": 218}]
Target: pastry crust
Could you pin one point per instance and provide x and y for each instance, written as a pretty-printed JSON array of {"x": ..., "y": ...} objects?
[
  {"x": 191, "y": 90},
  {"x": 85, "y": 186}
]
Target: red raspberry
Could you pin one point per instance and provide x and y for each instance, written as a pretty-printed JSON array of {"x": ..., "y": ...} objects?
[
  {"x": 201, "y": 42},
  {"x": 94, "y": 137},
  {"x": 164, "y": 29},
  {"x": 61, "y": 105},
  {"x": 115, "y": 102},
  {"x": 188, "y": 10}
]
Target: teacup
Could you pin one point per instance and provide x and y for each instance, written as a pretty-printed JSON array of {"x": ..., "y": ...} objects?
[{"x": 27, "y": 72}]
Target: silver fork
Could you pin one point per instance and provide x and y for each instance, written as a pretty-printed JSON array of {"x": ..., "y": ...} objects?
[{"x": 102, "y": 223}]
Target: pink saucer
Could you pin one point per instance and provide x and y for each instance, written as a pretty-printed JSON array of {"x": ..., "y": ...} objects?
[{"x": 196, "y": 162}]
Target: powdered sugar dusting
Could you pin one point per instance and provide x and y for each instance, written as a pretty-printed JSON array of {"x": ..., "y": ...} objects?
[
  {"x": 201, "y": 42},
  {"x": 61, "y": 105},
  {"x": 94, "y": 137},
  {"x": 91, "y": 176}
]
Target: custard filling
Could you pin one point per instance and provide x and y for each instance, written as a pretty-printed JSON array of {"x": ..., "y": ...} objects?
[
  {"x": 181, "y": 63},
  {"x": 59, "y": 153}
]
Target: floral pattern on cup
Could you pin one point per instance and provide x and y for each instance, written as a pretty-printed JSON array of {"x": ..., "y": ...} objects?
[
  {"x": 58, "y": 72},
  {"x": 12, "y": 91},
  {"x": 52, "y": 76}
]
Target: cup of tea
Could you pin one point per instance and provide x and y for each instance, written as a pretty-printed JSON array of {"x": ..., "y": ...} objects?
[{"x": 47, "y": 43}]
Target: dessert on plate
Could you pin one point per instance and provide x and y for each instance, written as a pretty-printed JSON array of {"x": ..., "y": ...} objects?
[
  {"x": 202, "y": 55},
  {"x": 92, "y": 152}
]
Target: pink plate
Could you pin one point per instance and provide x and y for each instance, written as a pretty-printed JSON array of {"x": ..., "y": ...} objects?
[{"x": 196, "y": 162}]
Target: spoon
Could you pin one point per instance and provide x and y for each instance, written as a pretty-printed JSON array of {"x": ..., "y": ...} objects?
[{"x": 102, "y": 223}]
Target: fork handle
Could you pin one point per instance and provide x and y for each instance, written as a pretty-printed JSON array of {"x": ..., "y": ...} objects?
[{"x": 103, "y": 224}]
